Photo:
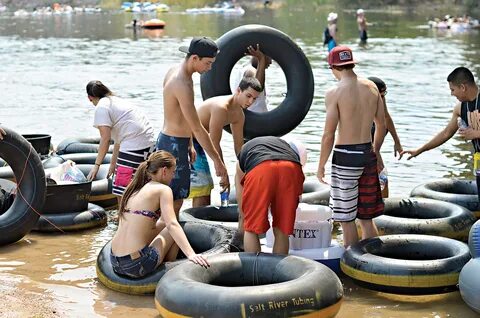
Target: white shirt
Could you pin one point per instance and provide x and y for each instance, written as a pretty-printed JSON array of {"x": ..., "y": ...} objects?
[
  {"x": 261, "y": 103},
  {"x": 130, "y": 128}
]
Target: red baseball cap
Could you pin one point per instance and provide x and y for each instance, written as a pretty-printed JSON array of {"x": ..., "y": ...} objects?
[{"x": 341, "y": 55}]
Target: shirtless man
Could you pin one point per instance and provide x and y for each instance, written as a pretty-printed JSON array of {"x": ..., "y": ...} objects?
[
  {"x": 362, "y": 25},
  {"x": 215, "y": 113},
  {"x": 353, "y": 105},
  {"x": 181, "y": 120},
  {"x": 256, "y": 68}
]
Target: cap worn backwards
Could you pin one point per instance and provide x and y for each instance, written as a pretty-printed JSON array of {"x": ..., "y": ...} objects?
[{"x": 201, "y": 46}]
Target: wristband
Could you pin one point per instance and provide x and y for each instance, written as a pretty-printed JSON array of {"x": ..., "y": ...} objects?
[{"x": 97, "y": 164}]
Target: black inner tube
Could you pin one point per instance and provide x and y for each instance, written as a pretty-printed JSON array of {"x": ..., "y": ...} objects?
[
  {"x": 298, "y": 73},
  {"x": 414, "y": 250}
]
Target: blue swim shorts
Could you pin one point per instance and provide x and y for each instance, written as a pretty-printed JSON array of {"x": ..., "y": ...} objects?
[
  {"x": 137, "y": 264},
  {"x": 178, "y": 147},
  {"x": 201, "y": 179}
]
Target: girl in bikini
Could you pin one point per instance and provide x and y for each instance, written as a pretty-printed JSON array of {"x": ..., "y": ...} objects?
[{"x": 148, "y": 232}]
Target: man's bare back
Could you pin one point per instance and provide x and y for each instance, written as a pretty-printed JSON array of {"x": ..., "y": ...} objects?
[{"x": 357, "y": 101}]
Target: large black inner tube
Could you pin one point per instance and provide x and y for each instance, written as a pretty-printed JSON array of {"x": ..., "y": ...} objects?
[
  {"x": 92, "y": 217},
  {"x": 20, "y": 218},
  {"x": 280, "y": 47},
  {"x": 406, "y": 264},
  {"x": 216, "y": 215},
  {"x": 461, "y": 192},
  {"x": 204, "y": 238},
  {"x": 425, "y": 216},
  {"x": 80, "y": 145},
  {"x": 250, "y": 285}
]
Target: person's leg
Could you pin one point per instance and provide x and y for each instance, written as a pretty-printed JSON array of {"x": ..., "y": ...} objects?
[
  {"x": 368, "y": 229},
  {"x": 370, "y": 201},
  {"x": 350, "y": 234},
  {"x": 281, "y": 244},
  {"x": 163, "y": 243},
  {"x": 256, "y": 198},
  {"x": 288, "y": 186},
  {"x": 201, "y": 182},
  {"x": 239, "y": 193},
  {"x": 201, "y": 201},
  {"x": 251, "y": 242},
  {"x": 177, "y": 205}
]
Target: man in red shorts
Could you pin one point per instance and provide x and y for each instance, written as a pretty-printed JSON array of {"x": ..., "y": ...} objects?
[
  {"x": 352, "y": 107},
  {"x": 269, "y": 174}
]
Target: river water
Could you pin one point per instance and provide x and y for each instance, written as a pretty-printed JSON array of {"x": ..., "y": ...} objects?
[{"x": 47, "y": 61}]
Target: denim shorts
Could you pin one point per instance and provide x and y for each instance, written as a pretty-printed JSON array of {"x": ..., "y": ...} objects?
[{"x": 137, "y": 264}]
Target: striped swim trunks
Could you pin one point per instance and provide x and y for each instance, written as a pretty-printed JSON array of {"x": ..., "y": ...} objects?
[
  {"x": 126, "y": 166},
  {"x": 355, "y": 189}
]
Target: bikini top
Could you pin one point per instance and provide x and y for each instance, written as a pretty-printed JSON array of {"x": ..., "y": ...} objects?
[{"x": 149, "y": 214}]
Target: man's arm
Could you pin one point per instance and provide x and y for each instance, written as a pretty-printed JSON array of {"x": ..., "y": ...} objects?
[
  {"x": 440, "y": 138},
  {"x": 328, "y": 138},
  {"x": 218, "y": 117},
  {"x": 2, "y": 133},
  {"x": 397, "y": 147},
  {"x": 262, "y": 64},
  {"x": 185, "y": 99},
  {"x": 380, "y": 131},
  {"x": 237, "y": 133},
  {"x": 379, "y": 121}
]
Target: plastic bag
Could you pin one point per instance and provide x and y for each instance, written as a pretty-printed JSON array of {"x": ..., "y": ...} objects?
[{"x": 67, "y": 172}]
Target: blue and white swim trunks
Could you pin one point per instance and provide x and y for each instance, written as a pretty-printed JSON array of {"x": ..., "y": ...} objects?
[{"x": 201, "y": 182}]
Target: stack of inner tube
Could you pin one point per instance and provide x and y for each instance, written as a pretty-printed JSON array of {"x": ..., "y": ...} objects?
[{"x": 461, "y": 192}]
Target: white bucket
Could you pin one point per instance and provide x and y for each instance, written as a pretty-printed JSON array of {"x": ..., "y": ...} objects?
[{"x": 312, "y": 228}]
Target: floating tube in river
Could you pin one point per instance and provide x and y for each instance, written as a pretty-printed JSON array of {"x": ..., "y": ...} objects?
[
  {"x": 250, "y": 285},
  {"x": 22, "y": 215},
  {"x": 94, "y": 216},
  {"x": 425, "y": 216},
  {"x": 461, "y": 192},
  {"x": 406, "y": 263}
]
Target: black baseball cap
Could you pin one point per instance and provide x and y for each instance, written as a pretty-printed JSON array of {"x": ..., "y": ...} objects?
[{"x": 201, "y": 46}]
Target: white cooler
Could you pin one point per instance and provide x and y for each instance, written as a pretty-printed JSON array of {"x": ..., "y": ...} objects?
[{"x": 312, "y": 229}]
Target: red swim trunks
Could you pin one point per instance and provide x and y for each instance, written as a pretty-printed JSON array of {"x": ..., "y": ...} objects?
[{"x": 278, "y": 183}]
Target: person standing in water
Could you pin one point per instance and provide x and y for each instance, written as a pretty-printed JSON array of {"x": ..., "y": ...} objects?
[
  {"x": 353, "y": 105},
  {"x": 465, "y": 118},
  {"x": 330, "y": 34},
  {"x": 181, "y": 122},
  {"x": 362, "y": 25}
]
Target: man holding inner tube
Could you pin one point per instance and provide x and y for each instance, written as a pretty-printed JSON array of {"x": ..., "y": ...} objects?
[
  {"x": 181, "y": 121},
  {"x": 353, "y": 105},
  {"x": 214, "y": 114},
  {"x": 256, "y": 68},
  {"x": 465, "y": 117}
]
